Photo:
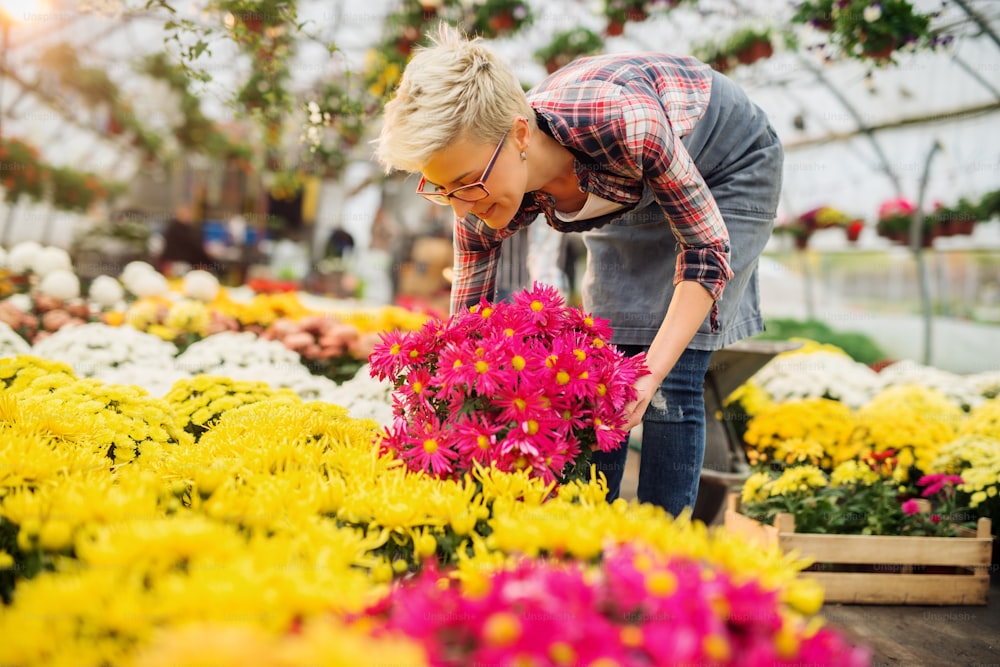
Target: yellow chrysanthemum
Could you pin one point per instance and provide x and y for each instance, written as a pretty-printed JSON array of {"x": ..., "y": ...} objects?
[
  {"x": 913, "y": 420},
  {"x": 798, "y": 480},
  {"x": 816, "y": 431},
  {"x": 853, "y": 472},
  {"x": 984, "y": 420}
]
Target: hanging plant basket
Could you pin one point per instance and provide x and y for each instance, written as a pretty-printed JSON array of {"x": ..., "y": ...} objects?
[
  {"x": 567, "y": 46},
  {"x": 756, "y": 50},
  {"x": 880, "y": 53}
]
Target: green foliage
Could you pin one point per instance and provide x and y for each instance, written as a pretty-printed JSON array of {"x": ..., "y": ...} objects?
[
  {"x": 867, "y": 31},
  {"x": 569, "y": 45},
  {"x": 21, "y": 172},
  {"x": 860, "y": 347}
]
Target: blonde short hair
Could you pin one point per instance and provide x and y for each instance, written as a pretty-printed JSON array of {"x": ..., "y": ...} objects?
[{"x": 452, "y": 89}]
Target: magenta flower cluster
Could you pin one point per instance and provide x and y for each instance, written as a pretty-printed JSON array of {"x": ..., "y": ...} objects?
[
  {"x": 638, "y": 609},
  {"x": 526, "y": 384}
]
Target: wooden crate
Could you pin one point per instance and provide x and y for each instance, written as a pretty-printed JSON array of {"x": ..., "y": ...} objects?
[{"x": 874, "y": 569}]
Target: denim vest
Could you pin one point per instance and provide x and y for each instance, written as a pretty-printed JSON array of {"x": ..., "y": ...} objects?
[{"x": 632, "y": 256}]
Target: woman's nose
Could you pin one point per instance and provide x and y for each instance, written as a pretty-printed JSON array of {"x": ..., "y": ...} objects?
[{"x": 462, "y": 208}]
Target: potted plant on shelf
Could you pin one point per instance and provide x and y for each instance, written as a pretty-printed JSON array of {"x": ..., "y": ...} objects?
[{"x": 567, "y": 46}]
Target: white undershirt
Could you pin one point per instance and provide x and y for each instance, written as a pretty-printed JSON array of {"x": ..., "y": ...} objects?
[{"x": 592, "y": 208}]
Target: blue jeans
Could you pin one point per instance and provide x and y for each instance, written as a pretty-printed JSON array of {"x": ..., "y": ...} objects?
[{"x": 673, "y": 438}]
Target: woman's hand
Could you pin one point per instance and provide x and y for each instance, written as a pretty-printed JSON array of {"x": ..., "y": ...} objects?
[{"x": 645, "y": 387}]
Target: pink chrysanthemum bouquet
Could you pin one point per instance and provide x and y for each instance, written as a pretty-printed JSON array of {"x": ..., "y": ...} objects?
[{"x": 529, "y": 384}]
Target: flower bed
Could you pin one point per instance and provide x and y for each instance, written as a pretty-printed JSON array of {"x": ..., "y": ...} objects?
[
  {"x": 274, "y": 537},
  {"x": 882, "y": 569}
]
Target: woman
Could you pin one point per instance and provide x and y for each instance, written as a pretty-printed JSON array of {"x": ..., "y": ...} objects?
[{"x": 670, "y": 169}]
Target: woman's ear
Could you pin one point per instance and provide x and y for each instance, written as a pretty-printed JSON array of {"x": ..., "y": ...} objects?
[{"x": 521, "y": 133}]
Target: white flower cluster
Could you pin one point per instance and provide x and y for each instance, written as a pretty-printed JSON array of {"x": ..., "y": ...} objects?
[
  {"x": 987, "y": 383},
  {"x": 107, "y": 292},
  {"x": 200, "y": 285},
  {"x": 822, "y": 374},
  {"x": 957, "y": 388},
  {"x": 244, "y": 356},
  {"x": 234, "y": 350},
  {"x": 61, "y": 284},
  {"x": 43, "y": 260},
  {"x": 141, "y": 279},
  {"x": 11, "y": 344},
  {"x": 365, "y": 397},
  {"x": 94, "y": 349}
]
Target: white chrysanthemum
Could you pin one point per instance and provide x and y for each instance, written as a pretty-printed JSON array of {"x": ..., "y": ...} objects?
[
  {"x": 957, "y": 388},
  {"x": 11, "y": 344},
  {"x": 61, "y": 284},
  {"x": 986, "y": 383},
  {"x": 93, "y": 349},
  {"x": 231, "y": 349},
  {"x": 106, "y": 291},
  {"x": 364, "y": 397},
  {"x": 819, "y": 374},
  {"x": 148, "y": 284},
  {"x": 22, "y": 256},
  {"x": 21, "y": 302},
  {"x": 133, "y": 270},
  {"x": 50, "y": 259},
  {"x": 200, "y": 285}
]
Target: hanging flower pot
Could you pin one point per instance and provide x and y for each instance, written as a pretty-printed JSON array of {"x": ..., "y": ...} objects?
[
  {"x": 756, "y": 50},
  {"x": 637, "y": 14},
  {"x": 502, "y": 23},
  {"x": 880, "y": 53},
  {"x": 853, "y": 230}
]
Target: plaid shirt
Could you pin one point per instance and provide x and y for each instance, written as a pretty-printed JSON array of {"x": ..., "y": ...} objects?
[{"x": 623, "y": 116}]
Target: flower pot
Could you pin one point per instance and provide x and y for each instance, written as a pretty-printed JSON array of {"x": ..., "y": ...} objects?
[
  {"x": 636, "y": 14},
  {"x": 962, "y": 226},
  {"x": 853, "y": 230},
  {"x": 502, "y": 23},
  {"x": 878, "y": 53},
  {"x": 755, "y": 51},
  {"x": 614, "y": 28}
]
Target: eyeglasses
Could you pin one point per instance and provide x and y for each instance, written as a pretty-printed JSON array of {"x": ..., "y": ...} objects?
[{"x": 472, "y": 192}]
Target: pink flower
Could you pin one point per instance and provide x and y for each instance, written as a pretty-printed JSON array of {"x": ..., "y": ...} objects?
[
  {"x": 528, "y": 384},
  {"x": 911, "y": 507},
  {"x": 935, "y": 483},
  {"x": 635, "y": 608},
  {"x": 893, "y": 207}
]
